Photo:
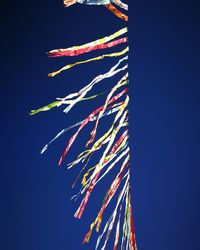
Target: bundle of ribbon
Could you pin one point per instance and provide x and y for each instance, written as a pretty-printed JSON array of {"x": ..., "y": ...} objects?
[{"x": 113, "y": 143}]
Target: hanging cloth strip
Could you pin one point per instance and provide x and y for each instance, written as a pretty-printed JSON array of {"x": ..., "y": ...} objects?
[
  {"x": 68, "y": 3},
  {"x": 74, "y": 49},
  {"x": 76, "y": 52},
  {"x": 109, "y": 112},
  {"x": 83, "y": 124},
  {"x": 94, "y": 2},
  {"x": 120, "y": 4},
  {"x": 111, "y": 192},
  {"x": 97, "y": 145},
  {"x": 116, "y": 12},
  {"x": 119, "y": 84},
  {"x": 68, "y": 100},
  {"x": 116, "y": 54},
  {"x": 99, "y": 167},
  {"x": 81, "y": 94},
  {"x": 119, "y": 146},
  {"x": 120, "y": 197}
]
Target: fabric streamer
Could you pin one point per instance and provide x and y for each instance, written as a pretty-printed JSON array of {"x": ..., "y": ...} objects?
[
  {"x": 120, "y": 4},
  {"x": 81, "y": 94},
  {"x": 83, "y": 124},
  {"x": 74, "y": 50},
  {"x": 117, "y": 230},
  {"x": 87, "y": 153},
  {"x": 116, "y": 12},
  {"x": 106, "y": 151},
  {"x": 99, "y": 167},
  {"x": 68, "y": 3},
  {"x": 68, "y": 100},
  {"x": 116, "y": 54},
  {"x": 94, "y": 2},
  {"x": 56, "y": 104},
  {"x": 118, "y": 85},
  {"x": 112, "y": 218},
  {"x": 111, "y": 111}
]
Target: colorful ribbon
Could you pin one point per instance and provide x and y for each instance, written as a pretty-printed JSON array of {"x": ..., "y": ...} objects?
[
  {"x": 116, "y": 12},
  {"x": 116, "y": 54},
  {"x": 76, "y": 52},
  {"x": 74, "y": 49}
]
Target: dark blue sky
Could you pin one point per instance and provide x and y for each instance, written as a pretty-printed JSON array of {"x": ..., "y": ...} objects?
[{"x": 164, "y": 122}]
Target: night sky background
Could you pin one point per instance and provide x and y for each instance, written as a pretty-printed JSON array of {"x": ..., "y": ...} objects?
[{"x": 35, "y": 208}]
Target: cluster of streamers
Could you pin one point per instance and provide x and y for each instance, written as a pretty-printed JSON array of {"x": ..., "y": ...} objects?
[
  {"x": 106, "y": 3},
  {"x": 112, "y": 146}
]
